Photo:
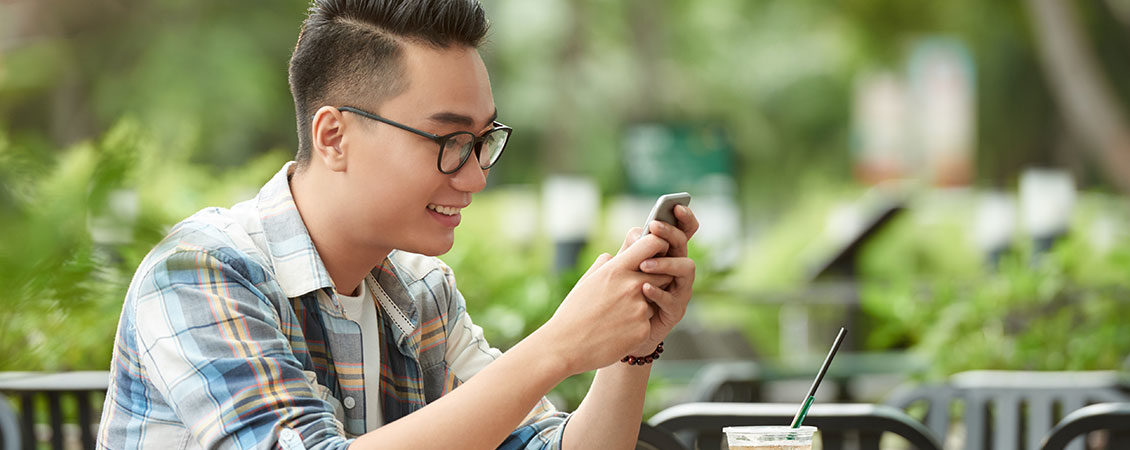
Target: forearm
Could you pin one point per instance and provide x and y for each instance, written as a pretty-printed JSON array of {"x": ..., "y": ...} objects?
[
  {"x": 609, "y": 417},
  {"x": 482, "y": 412}
]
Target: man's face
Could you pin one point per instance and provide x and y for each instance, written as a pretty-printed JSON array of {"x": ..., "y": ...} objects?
[{"x": 396, "y": 196}]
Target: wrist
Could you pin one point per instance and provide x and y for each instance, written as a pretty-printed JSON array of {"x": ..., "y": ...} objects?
[
  {"x": 644, "y": 359},
  {"x": 645, "y": 348},
  {"x": 546, "y": 352}
]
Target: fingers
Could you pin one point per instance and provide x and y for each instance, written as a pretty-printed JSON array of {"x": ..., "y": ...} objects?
[
  {"x": 677, "y": 267},
  {"x": 633, "y": 236},
  {"x": 600, "y": 261},
  {"x": 658, "y": 280},
  {"x": 676, "y": 239},
  {"x": 680, "y": 270},
  {"x": 688, "y": 223},
  {"x": 671, "y": 309},
  {"x": 642, "y": 249}
]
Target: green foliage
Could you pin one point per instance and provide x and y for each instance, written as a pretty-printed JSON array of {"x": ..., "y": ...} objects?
[
  {"x": 117, "y": 121},
  {"x": 77, "y": 226},
  {"x": 1059, "y": 310}
]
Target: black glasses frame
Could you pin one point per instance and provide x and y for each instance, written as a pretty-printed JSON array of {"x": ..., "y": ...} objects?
[{"x": 476, "y": 141}]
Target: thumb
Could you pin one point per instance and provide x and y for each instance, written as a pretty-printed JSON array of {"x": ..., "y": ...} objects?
[{"x": 600, "y": 261}]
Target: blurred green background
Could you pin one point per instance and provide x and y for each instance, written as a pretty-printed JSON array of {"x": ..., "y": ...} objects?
[{"x": 119, "y": 118}]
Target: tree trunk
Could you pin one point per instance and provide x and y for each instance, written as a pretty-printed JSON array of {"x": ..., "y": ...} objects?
[{"x": 1081, "y": 89}]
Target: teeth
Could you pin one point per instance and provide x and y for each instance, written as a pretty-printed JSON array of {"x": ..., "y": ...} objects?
[{"x": 445, "y": 210}]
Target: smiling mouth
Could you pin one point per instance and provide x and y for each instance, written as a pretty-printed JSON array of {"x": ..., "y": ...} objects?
[{"x": 445, "y": 210}]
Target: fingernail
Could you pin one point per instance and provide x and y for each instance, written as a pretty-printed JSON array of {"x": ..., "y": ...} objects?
[{"x": 647, "y": 265}]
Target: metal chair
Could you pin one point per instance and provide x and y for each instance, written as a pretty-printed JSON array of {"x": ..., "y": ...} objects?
[
  {"x": 85, "y": 389},
  {"x": 9, "y": 426},
  {"x": 840, "y": 425},
  {"x": 1114, "y": 417},
  {"x": 997, "y": 406},
  {"x": 652, "y": 438}
]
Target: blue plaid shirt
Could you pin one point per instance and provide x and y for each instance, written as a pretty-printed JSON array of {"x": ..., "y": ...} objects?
[{"x": 231, "y": 336}]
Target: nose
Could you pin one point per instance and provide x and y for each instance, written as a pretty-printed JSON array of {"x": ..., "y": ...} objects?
[{"x": 470, "y": 178}]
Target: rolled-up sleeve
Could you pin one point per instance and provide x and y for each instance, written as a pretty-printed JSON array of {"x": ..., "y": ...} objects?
[{"x": 210, "y": 342}]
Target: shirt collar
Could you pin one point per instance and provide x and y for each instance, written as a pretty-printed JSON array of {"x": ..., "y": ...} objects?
[{"x": 298, "y": 267}]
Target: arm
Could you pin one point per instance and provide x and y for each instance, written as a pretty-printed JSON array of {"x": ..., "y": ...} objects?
[
  {"x": 209, "y": 343},
  {"x": 599, "y": 321},
  {"x": 213, "y": 346},
  {"x": 611, "y": 412}
]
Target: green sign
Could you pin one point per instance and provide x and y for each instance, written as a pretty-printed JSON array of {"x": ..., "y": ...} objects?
[{"x": 661, "y": 158}]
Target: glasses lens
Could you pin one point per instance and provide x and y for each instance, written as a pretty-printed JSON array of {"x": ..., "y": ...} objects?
[
  {"x": 455, "y": 151},
  {"x": 493, "y": 143}
]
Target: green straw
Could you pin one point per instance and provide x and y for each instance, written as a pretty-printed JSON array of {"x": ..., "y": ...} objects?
[{"x": 803, "y": 411}]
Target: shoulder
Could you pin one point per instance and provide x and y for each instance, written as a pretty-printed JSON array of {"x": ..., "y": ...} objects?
[{"x": 212, "y": 235}]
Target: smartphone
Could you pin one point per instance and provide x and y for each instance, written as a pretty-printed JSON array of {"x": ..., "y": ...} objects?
[{"x": 664, "y": 209}]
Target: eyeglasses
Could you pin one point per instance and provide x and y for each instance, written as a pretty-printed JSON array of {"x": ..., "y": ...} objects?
[{"x": 455, "y": 148}]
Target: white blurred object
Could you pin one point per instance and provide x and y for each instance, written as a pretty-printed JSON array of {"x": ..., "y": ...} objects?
[
  {"x": 844, "y": 223},
  {"x": 943, "y": 97},
  {"x": 879, "y": 116},
  {"x": 115, "y": 224},
  {"x": 519, "y": 221},
  {"x": 1047, "y": 197},
  {"x": 627, "y": 211},
  {"x": 995, "y": 222},
  {"x": 1105, "y": 232},
  {"x": 719, "y": 230},
  {"x": 570, "y": 205}
]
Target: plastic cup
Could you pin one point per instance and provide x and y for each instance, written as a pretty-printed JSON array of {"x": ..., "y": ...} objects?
[{"x": 769, "y": 438}]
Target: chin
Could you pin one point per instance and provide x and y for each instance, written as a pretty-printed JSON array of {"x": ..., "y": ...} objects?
[{"x": 433, "y": 248}]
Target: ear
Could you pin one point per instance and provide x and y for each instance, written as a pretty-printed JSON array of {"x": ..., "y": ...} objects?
[{"x": 328, "y": 135}]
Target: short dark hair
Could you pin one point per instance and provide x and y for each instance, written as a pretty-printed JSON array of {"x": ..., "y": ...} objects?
[{"x": 351, "y": 49}]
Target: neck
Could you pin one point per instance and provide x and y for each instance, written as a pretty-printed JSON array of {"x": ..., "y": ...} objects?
[{"x": 346, "y": 259}]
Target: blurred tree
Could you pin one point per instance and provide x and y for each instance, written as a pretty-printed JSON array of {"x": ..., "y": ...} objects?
[
  {"x": 205, "y": 85},
  {"x": 210, "y": 72},
  {"x": 1082, "y": 88}
]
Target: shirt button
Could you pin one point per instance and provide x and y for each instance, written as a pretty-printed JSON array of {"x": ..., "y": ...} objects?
[
  {"x": 290, "y": 440},
  {"x": 350, "y": 402}
]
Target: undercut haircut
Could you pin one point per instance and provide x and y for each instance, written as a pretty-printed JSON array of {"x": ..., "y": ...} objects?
[{"x": 352, "y": 49}]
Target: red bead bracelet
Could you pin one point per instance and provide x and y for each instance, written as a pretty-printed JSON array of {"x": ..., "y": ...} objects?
[{"x": 641, "y": 360}]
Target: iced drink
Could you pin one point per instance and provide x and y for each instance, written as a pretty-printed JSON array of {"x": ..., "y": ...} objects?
[{"x": 769, "y": 438}]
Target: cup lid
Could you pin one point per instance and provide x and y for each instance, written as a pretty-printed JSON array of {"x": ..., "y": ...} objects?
[{"x": 770, "y": 429}]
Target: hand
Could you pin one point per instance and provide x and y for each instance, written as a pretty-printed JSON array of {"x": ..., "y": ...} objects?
[
  {"x": 606, "y": 315},
  {"x": 668, "y": 299}
]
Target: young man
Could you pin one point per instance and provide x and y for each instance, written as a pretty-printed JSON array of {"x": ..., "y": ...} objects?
[{"x": 316, "y": 316}]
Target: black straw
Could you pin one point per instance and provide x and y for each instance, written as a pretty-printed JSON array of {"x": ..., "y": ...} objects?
[{"x": 803, "y": 411}]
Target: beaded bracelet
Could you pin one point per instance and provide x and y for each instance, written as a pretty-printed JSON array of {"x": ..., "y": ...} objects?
[{"x": 641, "y": 360}]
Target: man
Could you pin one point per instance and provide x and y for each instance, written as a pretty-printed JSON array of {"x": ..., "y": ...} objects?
[{"x": 316, "y": 316}]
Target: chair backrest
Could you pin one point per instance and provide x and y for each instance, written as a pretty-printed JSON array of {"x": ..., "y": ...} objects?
[
  {"x": 9, "y": 426},
  {"x": 730, "y": 381},
  {"x": 652, "y": 438},
  {"x": 66, "y": 395},
  {"x": 1009, "y": 410},
  {"x": 700, "y": 424},
  {"x": 1114, "y": 417}
]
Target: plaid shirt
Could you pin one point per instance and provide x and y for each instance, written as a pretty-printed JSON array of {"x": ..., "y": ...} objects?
[{"x": 231, "y": 336}]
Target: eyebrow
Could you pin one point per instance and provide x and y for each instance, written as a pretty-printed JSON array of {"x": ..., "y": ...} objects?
[{"x": 460, "y": 119}]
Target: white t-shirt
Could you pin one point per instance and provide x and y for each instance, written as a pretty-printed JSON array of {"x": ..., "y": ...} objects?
[{"x": 362, "y": 309}]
